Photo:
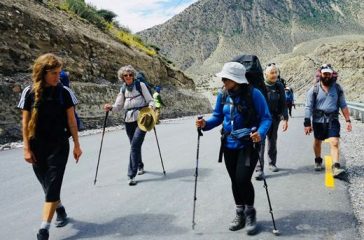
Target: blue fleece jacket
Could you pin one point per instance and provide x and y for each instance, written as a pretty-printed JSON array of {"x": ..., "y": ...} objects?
[{"x": 222, "y": 114}]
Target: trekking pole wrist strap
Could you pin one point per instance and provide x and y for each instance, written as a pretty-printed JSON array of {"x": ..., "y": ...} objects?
[{"x": 307, "y": 122}]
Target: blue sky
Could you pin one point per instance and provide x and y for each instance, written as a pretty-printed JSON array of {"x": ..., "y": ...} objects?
[{"x": 142, "y": 14}]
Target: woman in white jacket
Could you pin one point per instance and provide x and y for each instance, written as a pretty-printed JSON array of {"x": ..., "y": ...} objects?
[{"x": 132, "y": 97}]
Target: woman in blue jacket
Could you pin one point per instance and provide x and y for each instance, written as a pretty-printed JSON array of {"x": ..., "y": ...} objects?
[{"x": 239, "y": 145}]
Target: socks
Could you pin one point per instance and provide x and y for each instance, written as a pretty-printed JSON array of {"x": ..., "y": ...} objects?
[
  {"x": 240, "y": 209},
  {"x": 45, "y": 225},
  {"x": 249, "y": 208}
]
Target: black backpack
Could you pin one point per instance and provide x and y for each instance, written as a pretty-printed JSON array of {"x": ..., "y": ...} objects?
[{"x": 254, "y": 71}]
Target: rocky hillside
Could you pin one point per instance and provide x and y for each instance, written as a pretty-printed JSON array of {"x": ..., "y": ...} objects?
[
  {"x": 211, "y": 32},
  {"x": 345, "y": 53},
  {"x": 93, "y": 57}
]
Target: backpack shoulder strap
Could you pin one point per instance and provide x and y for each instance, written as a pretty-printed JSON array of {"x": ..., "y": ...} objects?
[
  {"x": 314, "y": 95},
  {"x": 340, "y": 92}
]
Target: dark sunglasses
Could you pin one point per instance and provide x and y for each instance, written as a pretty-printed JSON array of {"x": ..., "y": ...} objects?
[
  {"x": 128, "y": 75},
  {"x": 224, "y": 79},
  {"x": 271, "y": 64}
]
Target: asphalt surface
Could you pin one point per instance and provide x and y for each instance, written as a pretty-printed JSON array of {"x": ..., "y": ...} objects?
[{"x": 160, "y": 207}]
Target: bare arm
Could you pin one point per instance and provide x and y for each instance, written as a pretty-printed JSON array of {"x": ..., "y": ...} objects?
[
  {"x": 346, "y": 114},
  {"x": 28, "y": 154},
  {"x": 72, "y": 125}
]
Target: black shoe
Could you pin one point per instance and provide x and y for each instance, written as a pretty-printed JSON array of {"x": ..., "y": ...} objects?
[
  {"x": 238, "y": 222},
  {"x": 62, "y": 218},
  {"x": 251, "y": 221},
  {"x": 43, "y": 234},
  {"x": 318, "y": 164}
]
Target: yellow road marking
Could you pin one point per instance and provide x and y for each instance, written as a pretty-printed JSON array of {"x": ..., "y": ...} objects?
[{"x": 329, "y": 179}]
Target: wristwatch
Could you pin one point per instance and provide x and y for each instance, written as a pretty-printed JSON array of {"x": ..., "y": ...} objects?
[{"x": 348, "y": 121}]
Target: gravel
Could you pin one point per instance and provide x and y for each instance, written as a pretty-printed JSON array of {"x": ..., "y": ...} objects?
[{"x": 353, "y": 154}]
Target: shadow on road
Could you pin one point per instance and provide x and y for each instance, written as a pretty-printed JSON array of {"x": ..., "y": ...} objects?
[
  {"x": 182, "y": 173},
  {"x": 131, "y": 225},
  {"x": 311, "y": 222}
]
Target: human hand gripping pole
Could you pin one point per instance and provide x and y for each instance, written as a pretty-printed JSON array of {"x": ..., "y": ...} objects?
[
  {"x": 256, "y": 146},
  {"x": 102, "y": 140},
  {"x": 199, "y": 134}
]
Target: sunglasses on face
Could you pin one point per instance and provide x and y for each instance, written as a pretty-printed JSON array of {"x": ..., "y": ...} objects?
[
  {"x": 224, "y": 79},
  {"x": 128, "y": 75}
]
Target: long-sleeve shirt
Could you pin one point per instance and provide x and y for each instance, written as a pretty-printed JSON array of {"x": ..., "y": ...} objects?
[
  {"x": 222, "y": 114},
  {"x": 132, "y": 102},
  {"x": 325, "y": 101}
]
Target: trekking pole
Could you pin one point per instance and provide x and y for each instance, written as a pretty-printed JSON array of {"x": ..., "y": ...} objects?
[
  {"x": 275, "y": 230},
  {"x": 102, "y": 140},
  {"x": 196, "y": 174},
  {"x": 160, "y": 155}
]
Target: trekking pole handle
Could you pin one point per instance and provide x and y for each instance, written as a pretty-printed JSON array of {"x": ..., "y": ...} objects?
[{"x": 199, "y": 117}]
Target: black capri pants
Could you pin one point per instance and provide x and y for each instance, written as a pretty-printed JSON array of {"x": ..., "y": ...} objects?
[
  {"x": 240, "y": 165},
  {"x": 51, "y": 163}
]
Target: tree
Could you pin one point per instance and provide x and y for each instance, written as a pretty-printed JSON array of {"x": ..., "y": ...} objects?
[{"x": 107, "y": 15}]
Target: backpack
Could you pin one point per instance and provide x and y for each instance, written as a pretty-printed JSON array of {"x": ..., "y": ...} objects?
[
  {"x": 282, "y": 81},
  {"x": 140, "y": 77},
  {"x": 254, "y": 71}
]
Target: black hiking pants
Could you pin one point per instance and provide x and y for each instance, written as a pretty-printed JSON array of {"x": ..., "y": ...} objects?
[
  {"x": 51, "y": 159},
  {"x": 240, "y": 165}
]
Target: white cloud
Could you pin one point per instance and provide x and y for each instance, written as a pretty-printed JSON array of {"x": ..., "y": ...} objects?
[{"x": 142, "y": 14}]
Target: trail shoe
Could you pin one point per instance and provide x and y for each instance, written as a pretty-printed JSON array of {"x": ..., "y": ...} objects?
[
  {"x": 273, "y": 168},
  {"x": 62, "y": 218},
  {"x": 337, "y": 171},
  {"x": 132, "y": 182},
  {"x": 238, "y": 222},
  {"x": 259, "y": 175},
  {"x": 318, "y": 164},
  {"x": 43, "y": 234},
  {"x": 251, "y": 221},
  {"x": 141, "y": 171}
]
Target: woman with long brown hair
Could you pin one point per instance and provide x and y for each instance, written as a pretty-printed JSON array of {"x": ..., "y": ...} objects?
[{"x": 48, "y": 120}]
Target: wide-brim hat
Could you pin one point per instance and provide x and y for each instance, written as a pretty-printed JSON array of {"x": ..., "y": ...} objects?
[
  {"x": 234, "y": 71},
  {"x": 146, "y": 119}
]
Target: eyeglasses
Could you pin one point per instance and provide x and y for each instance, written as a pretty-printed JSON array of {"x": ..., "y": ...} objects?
[
  {"x": 224, "y": 79},
  {"x": 271, "y": 64},
  {"x": 128, "y": 75}
]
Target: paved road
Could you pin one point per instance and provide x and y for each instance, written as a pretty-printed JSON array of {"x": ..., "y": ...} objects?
[{"x": 161, "y": 207}]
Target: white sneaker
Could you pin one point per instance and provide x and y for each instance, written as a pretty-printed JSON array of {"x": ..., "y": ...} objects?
[
  {"x": 141, "y": 171},
  {"x": 132, "y": 182}
]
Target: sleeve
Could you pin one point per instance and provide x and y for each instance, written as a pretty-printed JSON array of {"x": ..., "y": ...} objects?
[
  {"x": 70, "y": 99},
  {"x": 262, "y": 110},
  {"x": 217, "y": 116},
  {"x": 283, "y": 102},
  {"x": 309, "y": 103},
  {"x": 146, "y": 94},
  {"x": 119, "y": 102},
  {"x": 341, "y": 96},
  {"x": 25, "y": 102}
]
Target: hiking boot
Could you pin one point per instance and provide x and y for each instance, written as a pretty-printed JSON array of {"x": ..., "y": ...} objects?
[
  {"x": 62, "y": 218},
  {"x": 43, "y": 234},
  {"x": 273, "y": 168},
  {"x": 337, "y": 171},
  {"x": 141, "y": 171},
  {"x": 238, "y": 222},
  {"x": 251, "y": 221},
  {"x": 318, "y": 164},
  {"x": 132, "y": 182},
  {"x": 259, "y": 176}
]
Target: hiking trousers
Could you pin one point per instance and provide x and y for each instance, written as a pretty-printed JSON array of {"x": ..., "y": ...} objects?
[
  {"x": 51, "y": 159},
  {"x": 136, "y": 138},
  {"x": 271, "y": 138},
  {"x": 240, "y": 165}
]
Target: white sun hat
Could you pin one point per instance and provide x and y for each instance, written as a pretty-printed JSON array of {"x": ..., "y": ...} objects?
[{"x": 234, "y": 71}]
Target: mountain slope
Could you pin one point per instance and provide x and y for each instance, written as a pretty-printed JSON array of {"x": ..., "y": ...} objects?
[{"x": 211, "y": 32}]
